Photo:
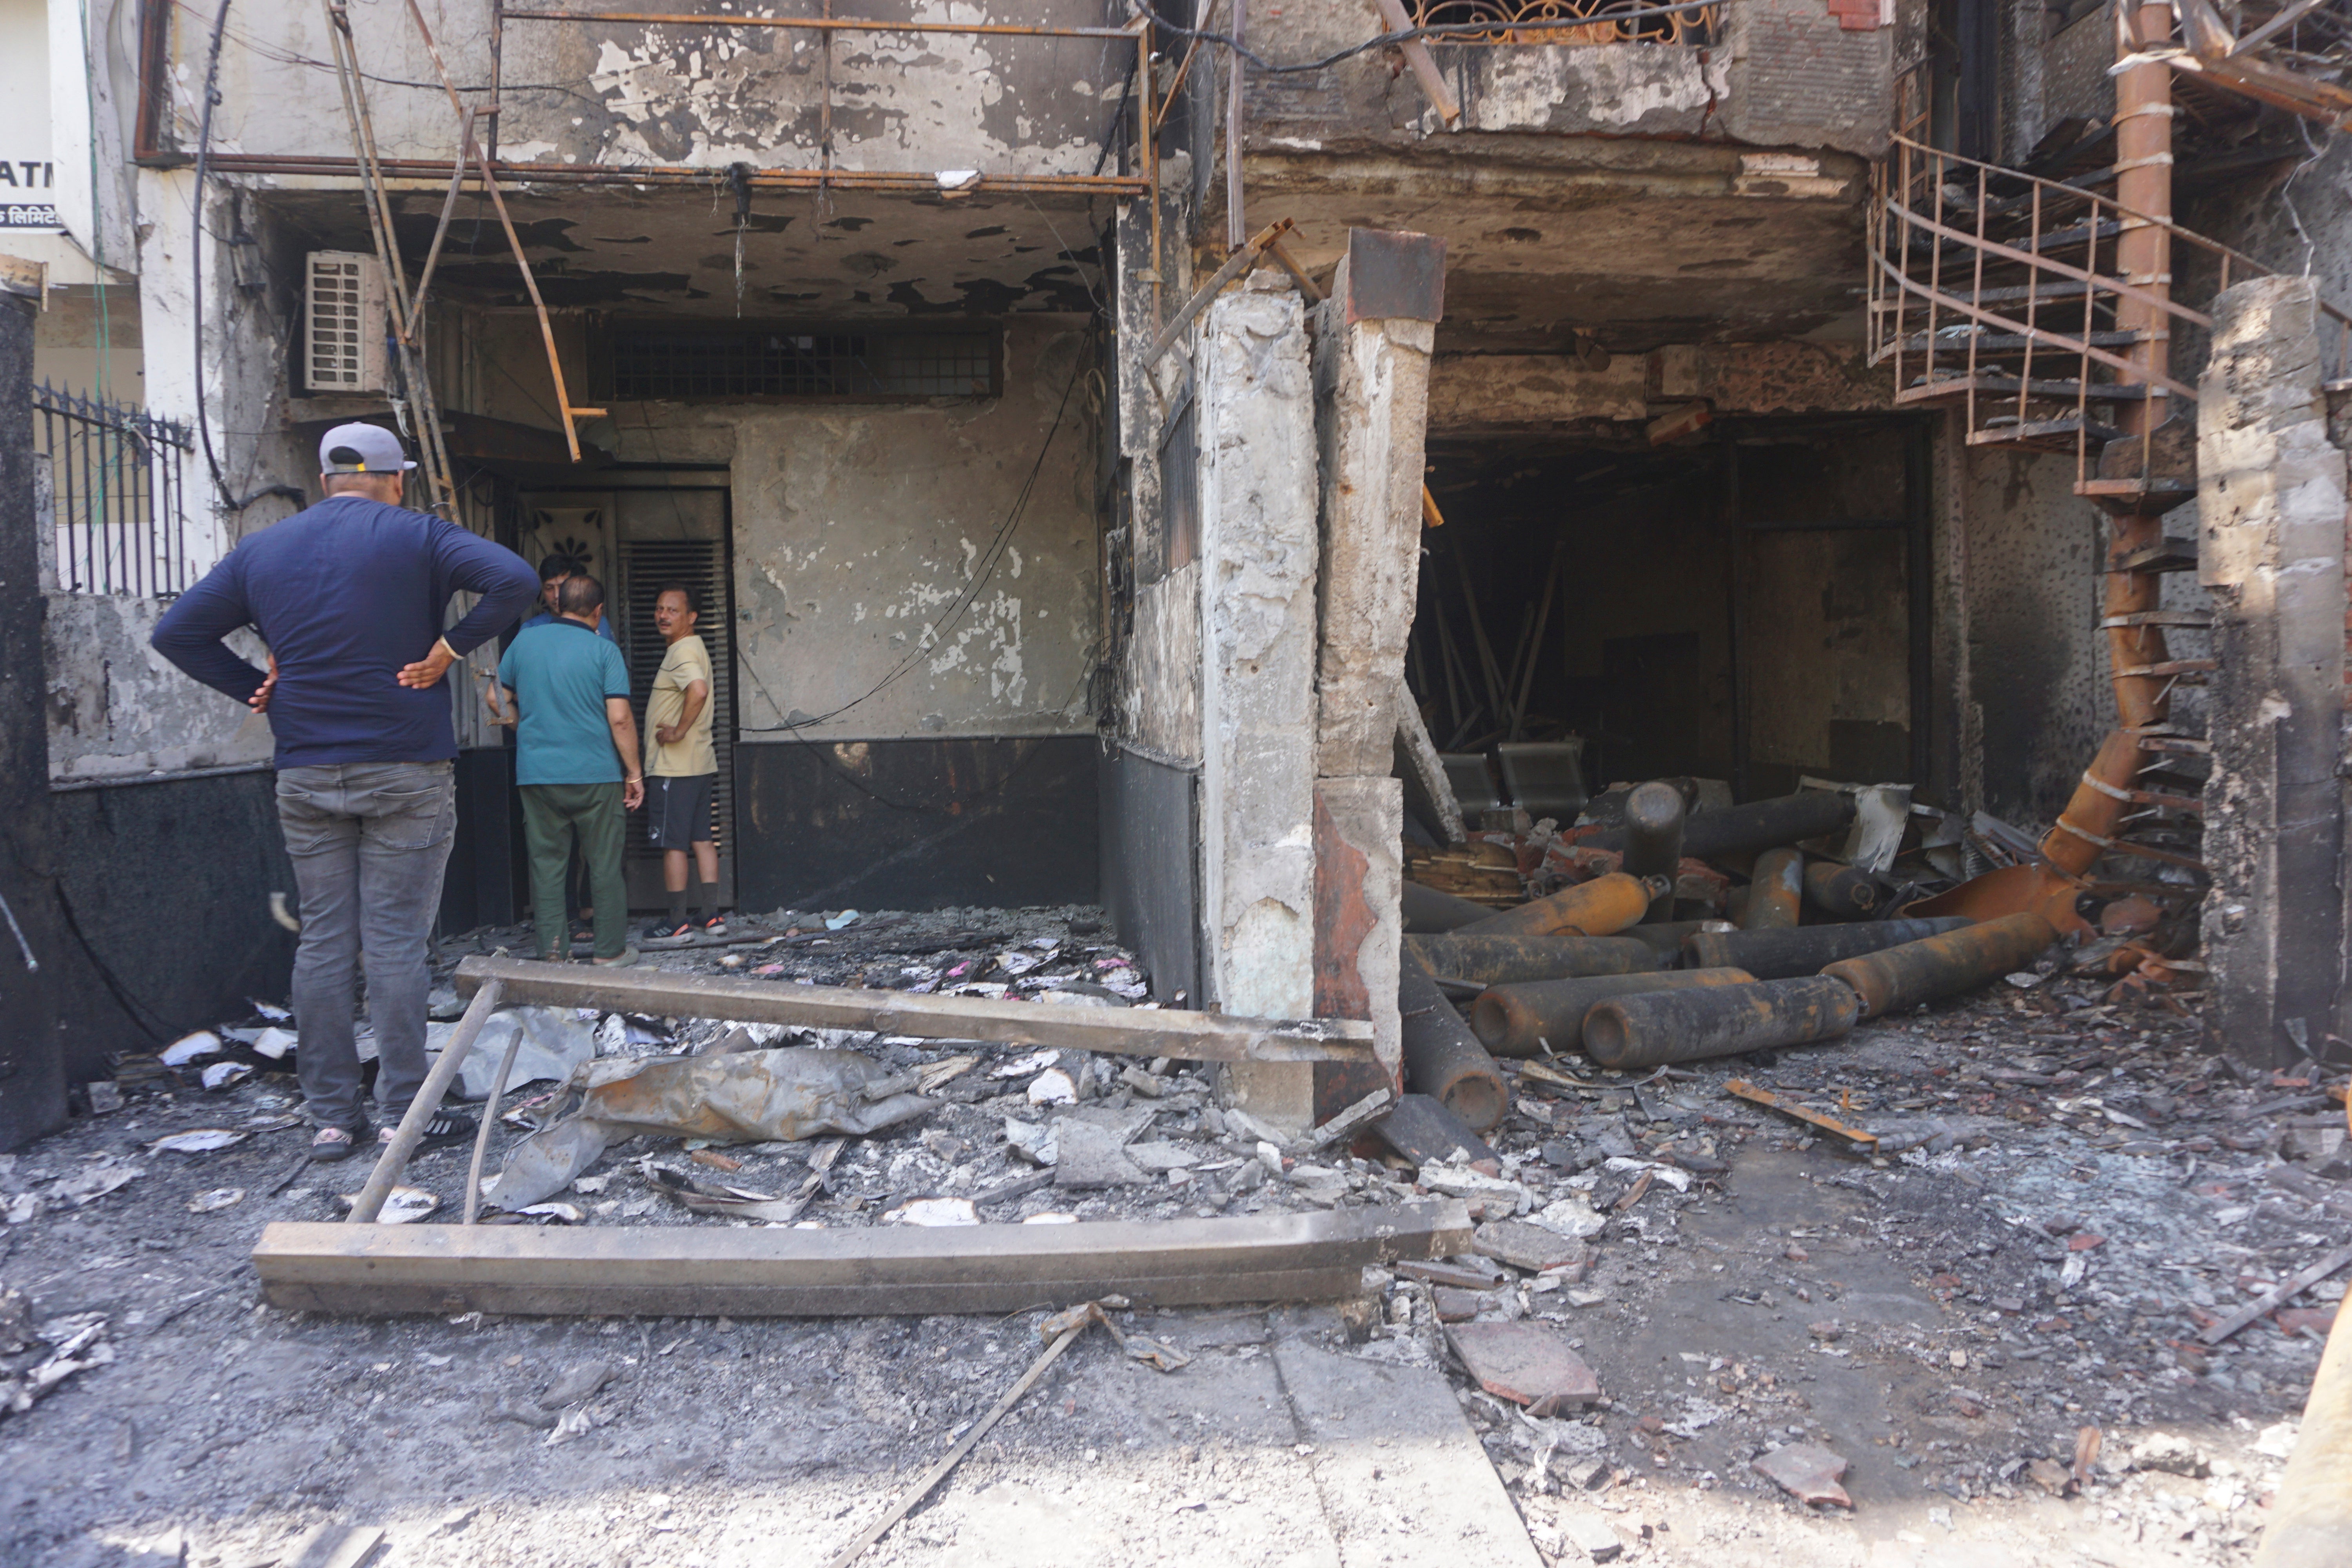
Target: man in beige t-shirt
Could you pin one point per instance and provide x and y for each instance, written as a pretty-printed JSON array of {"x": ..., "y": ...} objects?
[{"x": 682, "y": 770}]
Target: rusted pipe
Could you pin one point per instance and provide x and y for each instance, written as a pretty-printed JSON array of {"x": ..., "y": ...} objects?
[
  {"x": 1522, "y": 1020},
  {"x": 1426, "y": 908},
  {"x": 2087, "y": 825},
  {"x": 2311, "y": 1518},
  {"x": 1661, "y": 1026},
  {"x": 1653, "y": 841},
  {"x": 1508, "y": 960},
  {"x": 1782, "y": 954},
  {"x": 1776, "y": 892},
  {"x": 2142, "y": 122},
  {"x": 1602, "y": 907},
  {"x": 1841, "y": 892},
  {"x": 1939, "y": 966},
  {"x": 1443, "y": 1059}
]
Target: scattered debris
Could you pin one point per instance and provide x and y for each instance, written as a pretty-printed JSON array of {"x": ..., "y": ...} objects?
[
  {"x": 1526, "y": 1364},
  {"x": 218, "y": 1199},
  {"x": 1806, "y": 1471}
]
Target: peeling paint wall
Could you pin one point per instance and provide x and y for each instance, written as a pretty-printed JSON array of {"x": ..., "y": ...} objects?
[
  {"x": 674, "y": 93},
  {"x": 118, "y": 711},
  {"x": 867, "y": 544}
]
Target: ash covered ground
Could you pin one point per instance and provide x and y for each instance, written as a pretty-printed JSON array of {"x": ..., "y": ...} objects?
[{"x": 1993, "y": 1320}]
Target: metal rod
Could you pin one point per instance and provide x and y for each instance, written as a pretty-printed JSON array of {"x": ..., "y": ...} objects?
[
  {"x": 1234, "y": 266},
  {"x": 820, "y": 24},
  {"x": 1176, "y": 83},
  {"x": 498, "y": 200},
  {"x": 394, "y": 1158},
  {"x": 448, "y": 210},
  {"x": 1148, "y": 135},
  {"x": 489, "y": 1120},
  {"x": 1235, "y": 63},
  {"x": 430, "y": 170}
]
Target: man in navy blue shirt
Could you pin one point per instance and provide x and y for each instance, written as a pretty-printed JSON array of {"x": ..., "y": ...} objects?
[{"x": 349, "y": 596}]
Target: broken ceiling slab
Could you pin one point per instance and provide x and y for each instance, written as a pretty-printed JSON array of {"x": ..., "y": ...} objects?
[
  {"x": 1137, "y": 1031},
  {"x": 375, "y": 1270}
]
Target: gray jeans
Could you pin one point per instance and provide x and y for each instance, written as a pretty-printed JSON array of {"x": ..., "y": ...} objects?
[{"x": 369, "y": 841}]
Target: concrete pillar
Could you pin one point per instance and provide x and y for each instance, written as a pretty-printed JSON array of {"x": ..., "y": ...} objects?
[
  {"x": 1373, "y": 337},
  {"x": 32, "y": 1058},
  {"x": 1256, "y": 426},
  {"x": 2270, "y": 508}
]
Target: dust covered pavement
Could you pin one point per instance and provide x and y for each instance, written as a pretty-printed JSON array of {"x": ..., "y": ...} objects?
[{"x": 2085, "y": 1190}]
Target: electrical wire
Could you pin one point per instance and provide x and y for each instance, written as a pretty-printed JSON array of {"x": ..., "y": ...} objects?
[
  {"x": 137, "y": 1012},
  {"x": 229, "y": 498}
]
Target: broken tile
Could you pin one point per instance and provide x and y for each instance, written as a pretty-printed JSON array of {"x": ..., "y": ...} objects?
[
  {"x": 1806, "y": 1471},
  {"x": 1528, "y": 1247},
  {"x": 1091, "y": 1156},
  {"x": 1525, "y": 1363}
]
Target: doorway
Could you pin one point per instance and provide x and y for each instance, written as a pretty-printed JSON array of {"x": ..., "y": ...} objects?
[
  {"x": 1752, "y": 606},
  {"x": 641, "y": 532}
]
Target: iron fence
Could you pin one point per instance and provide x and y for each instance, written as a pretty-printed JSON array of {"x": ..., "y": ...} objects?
[{"x": 118, "y": 505}]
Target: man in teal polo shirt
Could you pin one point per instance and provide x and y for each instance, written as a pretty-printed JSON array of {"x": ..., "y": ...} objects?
[{"x": 567, "y": 691}]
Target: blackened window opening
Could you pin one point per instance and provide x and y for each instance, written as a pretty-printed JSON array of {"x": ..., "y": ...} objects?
[{"x": 777, "y": 362}]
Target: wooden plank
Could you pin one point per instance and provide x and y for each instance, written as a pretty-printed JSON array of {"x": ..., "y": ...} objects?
[
  {"x": 374, "y": 1270},
  {"x": 2286, "y": 1291},
  {"x": 1128, "y": 1031}
]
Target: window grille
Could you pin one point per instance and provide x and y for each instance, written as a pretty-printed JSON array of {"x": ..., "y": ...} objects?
[
  {"x": 117, "y": 508},
  {"x": 776, "y": 362}
]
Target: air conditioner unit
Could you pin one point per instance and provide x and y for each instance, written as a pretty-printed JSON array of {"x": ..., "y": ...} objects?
[{"x": 343, "y": 306}]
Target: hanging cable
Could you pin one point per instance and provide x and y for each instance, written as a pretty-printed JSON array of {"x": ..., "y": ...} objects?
[{"x": 229, "y": 498}]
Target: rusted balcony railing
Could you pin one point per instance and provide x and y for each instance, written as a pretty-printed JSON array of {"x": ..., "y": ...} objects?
[
  {"x": 1998, "y": 292},
  {"x": 1604, "y": 22}
]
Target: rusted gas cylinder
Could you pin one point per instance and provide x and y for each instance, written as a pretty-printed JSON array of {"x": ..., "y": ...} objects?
[
  {"x": 1508, "y": 960},
  {"x": 1653, "y": 841},
  {"x": 1520, "y": 1020},
  {"x": 1776, "y": 892},
  {"x": 1431, "y": 910},
  {"x": 1443, "y": 1059},
  {"x": 1938, "y": 966},
  {"x": 1660, "y": 1027},
  {"x": 1780, "y": 954},
  {"x": 1765, "y": 824},
  {"x": 1597, "y": 907},
  {"x": 1841, "y": 892},
  {"x": 1668, "y": 936}
]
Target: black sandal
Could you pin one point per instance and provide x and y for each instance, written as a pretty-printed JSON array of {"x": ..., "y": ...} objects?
[{"x": 329, "y": 1144}]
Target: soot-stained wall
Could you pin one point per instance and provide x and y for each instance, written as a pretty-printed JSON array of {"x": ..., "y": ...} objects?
[
  {"x": 2034, "y": 700},
  {"x": 860, "y": 527}
]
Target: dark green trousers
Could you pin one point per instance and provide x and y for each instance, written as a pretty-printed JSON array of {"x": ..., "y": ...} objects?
[{"x": 552, "y": 815}]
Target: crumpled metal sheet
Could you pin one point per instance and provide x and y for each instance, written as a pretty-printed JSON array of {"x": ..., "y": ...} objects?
[
  {"x": 555, "y": 1041},
  {"x": 746, "y": 1097}
]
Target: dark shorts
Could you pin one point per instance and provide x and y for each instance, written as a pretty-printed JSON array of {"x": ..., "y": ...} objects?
[{"x": 678, "y": 810}]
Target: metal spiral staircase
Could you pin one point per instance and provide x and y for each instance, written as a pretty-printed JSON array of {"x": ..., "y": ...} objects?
[{"x": 2050, "y": 315}]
